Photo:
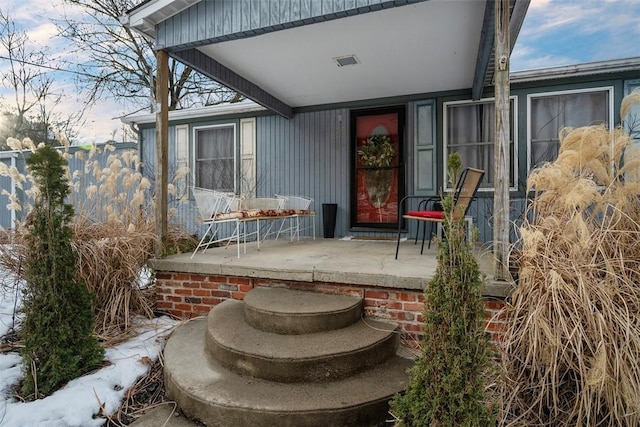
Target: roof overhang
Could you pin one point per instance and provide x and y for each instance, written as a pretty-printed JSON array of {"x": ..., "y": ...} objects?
[
  {"x": 578, "y": 70},
  {"x": 418, "y": 47},
  {"x": 238, "y": 108},
  {"x": 144, "y": 17}
]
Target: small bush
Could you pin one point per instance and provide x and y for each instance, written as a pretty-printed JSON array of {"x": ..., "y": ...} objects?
[
  {"x": 447, "y": 381},
  {"x": 58, "y": 317}
]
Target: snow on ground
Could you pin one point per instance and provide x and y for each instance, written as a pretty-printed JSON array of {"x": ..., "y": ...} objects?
[
  {"x": 78, "y": 403},
  {"x": 9, "y": 298}
]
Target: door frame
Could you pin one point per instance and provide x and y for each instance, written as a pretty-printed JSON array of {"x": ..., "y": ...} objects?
[{"x": 400, "y": 111}]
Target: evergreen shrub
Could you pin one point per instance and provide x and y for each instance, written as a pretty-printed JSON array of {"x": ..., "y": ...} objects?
[
  {"x": 57, "y": 307},
  {"x": 447, "y": 382}
]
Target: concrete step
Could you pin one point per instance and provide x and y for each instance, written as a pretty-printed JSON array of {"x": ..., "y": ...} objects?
[
  {"x": 166, "y": 415},
  {"x": 319, "y": 356},
  {"x": 286, "y": 311},
  {"x": 207, "y": 391}
]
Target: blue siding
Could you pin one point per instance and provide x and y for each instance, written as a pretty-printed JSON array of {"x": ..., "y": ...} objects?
[
  {"x": 77, "y": 196},
  {"x": 211, "y": 21},
  {"x": 308, "y": 155}
]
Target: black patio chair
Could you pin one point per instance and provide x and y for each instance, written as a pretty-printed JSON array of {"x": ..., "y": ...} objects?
[{"x": 463, "y": 195}]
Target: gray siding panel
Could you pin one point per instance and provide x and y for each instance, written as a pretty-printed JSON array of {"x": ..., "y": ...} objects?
[
  {"x": 307, "y": 156},
  {"x": 482, "y": 213},
  {"x": 244, "y": 14},
  {"x": 295, "y": 10},
  {"x": 211, "y": 21},
  {"x": 201, "y": 21}
]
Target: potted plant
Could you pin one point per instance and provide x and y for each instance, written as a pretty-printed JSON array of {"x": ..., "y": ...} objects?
[{"x": 376, "y": 155}]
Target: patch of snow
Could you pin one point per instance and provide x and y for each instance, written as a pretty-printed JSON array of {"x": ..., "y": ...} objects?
[
  {"x": 9, "y": 301},
  {"x": 85, "y": 401}
]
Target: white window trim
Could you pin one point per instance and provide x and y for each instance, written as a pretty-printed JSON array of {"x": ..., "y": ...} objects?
[
  {"x": 562, "y": 92},
  {"x": 235, "y": 149},
  {"x": 445, "y": 138}
]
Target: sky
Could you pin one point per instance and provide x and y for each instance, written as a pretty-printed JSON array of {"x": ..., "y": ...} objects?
[
  {"x": 568, "y": 32},
  {"x": 554, "y": 33},
  {"x": 79, "y": 402}
]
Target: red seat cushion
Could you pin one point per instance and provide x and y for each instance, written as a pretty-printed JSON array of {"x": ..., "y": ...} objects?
[{"x": 427, "y": 214}]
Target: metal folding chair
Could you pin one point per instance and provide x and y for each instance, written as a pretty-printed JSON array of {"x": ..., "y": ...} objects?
[{"x": 463, "y": 195}]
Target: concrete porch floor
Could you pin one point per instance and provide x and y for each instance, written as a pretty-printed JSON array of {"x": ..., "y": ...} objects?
[{"x": 358, "y": 262}]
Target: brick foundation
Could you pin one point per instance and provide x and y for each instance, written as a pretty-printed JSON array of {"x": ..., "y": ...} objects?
[{"x": 186, "y": 295}]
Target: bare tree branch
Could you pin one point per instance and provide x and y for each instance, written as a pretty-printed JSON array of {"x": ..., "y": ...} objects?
[
  {"x": 121, "y": 63},
  {"x": 32, "y": 113}
]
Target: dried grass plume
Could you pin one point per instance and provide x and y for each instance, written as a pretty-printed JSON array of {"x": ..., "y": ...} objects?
[{"x": 570, "y": 354}]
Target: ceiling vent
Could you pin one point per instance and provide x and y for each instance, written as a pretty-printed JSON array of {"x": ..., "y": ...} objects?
[{"x": 346, "y": 60}]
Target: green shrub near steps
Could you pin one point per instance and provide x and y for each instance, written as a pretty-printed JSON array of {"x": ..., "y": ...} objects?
[
  {"x": 57, "y": 307},
  {"x": 447, "y": 382}
]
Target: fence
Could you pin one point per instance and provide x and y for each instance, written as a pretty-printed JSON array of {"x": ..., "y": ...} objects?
[{"x": 15, "y": 162}]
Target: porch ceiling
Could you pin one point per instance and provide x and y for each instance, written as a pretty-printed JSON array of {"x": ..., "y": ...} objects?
[
  {"x": 424, "y": 47},
  {"x": 402, "y": 47}
]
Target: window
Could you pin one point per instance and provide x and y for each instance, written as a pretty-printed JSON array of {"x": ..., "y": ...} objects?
[
  {"x": 215, "y": 157},
  {"x": 551, "y": 112},
  {"x": 470, "y": 131}
]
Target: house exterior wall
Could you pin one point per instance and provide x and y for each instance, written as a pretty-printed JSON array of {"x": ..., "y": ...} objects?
[{"x": 309, "y": 155}]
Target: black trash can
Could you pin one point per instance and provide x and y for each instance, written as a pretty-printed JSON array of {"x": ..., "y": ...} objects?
[{"x": 329, "y": 212}]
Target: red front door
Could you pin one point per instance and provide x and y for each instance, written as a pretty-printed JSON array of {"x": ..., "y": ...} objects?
[{"x": 377, "y": 153}]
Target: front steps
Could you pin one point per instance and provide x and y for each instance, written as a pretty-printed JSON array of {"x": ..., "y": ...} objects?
[{"x": 285, "y": 358}]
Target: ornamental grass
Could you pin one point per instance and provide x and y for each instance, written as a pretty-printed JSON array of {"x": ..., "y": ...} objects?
[
  {"x": 111, "y": 260},
  {"x": 114, "y": 233},
  {"x": 570, "y": 353}
]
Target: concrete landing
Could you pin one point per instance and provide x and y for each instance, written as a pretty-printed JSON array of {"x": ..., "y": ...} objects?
[{"x": 370, "y": 263}]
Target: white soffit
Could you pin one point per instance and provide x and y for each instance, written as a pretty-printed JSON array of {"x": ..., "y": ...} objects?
[
  {"x": 145, "y": 17},
  {"x": 425, "y": 47},
  {"x": 243, "y": 107}
]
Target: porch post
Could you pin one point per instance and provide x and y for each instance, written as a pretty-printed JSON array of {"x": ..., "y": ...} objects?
[
  {"x": 162, "y": 147},
  {"x": 501, "y": 144}
]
